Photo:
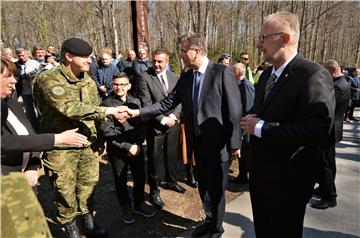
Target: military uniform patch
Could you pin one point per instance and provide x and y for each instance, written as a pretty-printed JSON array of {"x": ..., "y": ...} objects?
[{"x": 58, "y": 90}]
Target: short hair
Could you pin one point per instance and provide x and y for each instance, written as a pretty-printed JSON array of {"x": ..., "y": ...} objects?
[
  {"x": 161, "y": 52},
  {"x": 8, "y": 65},
  {"x": 286, "y": 21},
  {"x": 102, "y": 53},
  {"x": 196, "y": 40},
  {"x": 37, "y": 47},
  {"x": 19, "y": 50},
  {"x": 332, "y": 64},
  {"x": 7, "y": 51},
  {"x": 142, "y": 49},
  {"x": 243, "y": 53},
  {"x": 120, "y": 75},
  {"x": 107, "y": 50},
  {"x": 241, "y": 67}
]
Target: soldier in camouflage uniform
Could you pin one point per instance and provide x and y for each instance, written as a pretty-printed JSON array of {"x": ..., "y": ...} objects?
[
  {"x": 68, "y": 98},
  {"x": 21, "y": 212}
]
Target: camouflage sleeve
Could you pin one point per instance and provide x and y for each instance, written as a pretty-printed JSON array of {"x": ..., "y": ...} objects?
[{"x": 69, "y": 100}]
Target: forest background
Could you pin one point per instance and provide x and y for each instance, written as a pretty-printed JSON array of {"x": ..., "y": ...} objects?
[{"x": 329, "y": 29}]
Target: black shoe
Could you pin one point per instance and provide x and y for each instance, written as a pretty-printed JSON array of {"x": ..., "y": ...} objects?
[
  {"x": 201, "y": 230},
  {"x": 324, "y": 204},
  {"x": 72, "y": 229},
  {"x": 90, "y": 229},
  {"x": 156, "y": 201},
  {"x": 317, "y": 193},
  {"x": 175, "y": 187},
  {"x": 190, "y": 177},
  {"x": 192, "y": 183},
  {"x": 239, "y": 180}
]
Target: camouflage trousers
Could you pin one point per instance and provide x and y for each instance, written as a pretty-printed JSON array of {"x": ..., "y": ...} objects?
[
  {"x": 74, "y": 174},
  {"x": 21, "y": 212}
]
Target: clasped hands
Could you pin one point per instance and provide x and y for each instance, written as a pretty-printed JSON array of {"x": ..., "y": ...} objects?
[{"x": 123, "y": 113}]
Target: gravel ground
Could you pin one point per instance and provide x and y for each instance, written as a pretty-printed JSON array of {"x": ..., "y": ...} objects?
[{"x": 182, "y": 212}]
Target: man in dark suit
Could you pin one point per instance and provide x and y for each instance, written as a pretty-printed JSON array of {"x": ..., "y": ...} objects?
[
  {"x": 211, "y": 103},
  {"x": 247, "y": 93},
  {"x": 163, "y": 131},
  {"x": 292, "y": 114},
  {"x": 327, "y": 190}
]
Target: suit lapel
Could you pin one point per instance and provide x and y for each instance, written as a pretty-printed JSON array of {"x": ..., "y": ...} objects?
[
  {"x": 208, "y": 74},
  {"x": 171, "y": 80},
  {"x": 284, "y": 78},
  {"x": 158, "y": 84}
]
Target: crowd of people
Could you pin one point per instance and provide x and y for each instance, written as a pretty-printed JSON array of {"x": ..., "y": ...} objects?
[{"x": 280, "y": 120}]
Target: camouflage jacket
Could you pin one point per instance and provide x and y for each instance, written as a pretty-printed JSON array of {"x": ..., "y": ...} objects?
[
  {"x": 21, "y": 212},
  {"x": 67, "y": 102}
]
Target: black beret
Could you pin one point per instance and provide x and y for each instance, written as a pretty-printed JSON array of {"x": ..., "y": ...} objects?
[{"x": 76, "y": 47}]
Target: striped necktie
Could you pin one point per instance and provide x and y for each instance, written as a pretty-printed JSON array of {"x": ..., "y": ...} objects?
[
  {"x": 162, "y": 80},
  {"x": 269, "y": 85}
]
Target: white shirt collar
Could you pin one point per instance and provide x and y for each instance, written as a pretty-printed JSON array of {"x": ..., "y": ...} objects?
[
  {"x": 204, "y": 65},
  {"x": 163, "y": 73},
  {"x": 279, "y": 71}
]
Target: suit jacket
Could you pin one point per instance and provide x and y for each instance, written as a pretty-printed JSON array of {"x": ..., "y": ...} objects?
[
  {"x": 13, "y": 145},
  {"x": 342, "y": 98},
  {"x": 298, "y": 115},
  {"x": 219, "y": 110},
  {"x": 150, "y": 91}
]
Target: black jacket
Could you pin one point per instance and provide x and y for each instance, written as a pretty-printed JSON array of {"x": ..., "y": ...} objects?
[
  {"x": 13, "y": 145},
  {"x": 121, "y": 136}
]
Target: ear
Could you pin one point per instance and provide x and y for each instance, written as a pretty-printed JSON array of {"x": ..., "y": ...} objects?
[
  {"x": 129, "y": 86},
  {"x": 68, "y": 57},
  {"x": 286, "y": 37}
]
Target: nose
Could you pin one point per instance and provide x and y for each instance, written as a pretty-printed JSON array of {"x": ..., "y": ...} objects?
[
  {"x": 88, "y": 60},
  {"x": 12, "y": 79},
  {"x": 258, "y": 44}
]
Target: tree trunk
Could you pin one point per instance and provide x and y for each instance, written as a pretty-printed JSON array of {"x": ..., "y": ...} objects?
[{"x": 114, "y": 28}]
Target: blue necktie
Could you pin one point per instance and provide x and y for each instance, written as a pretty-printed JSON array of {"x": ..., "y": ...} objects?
[
  {"x": 269, "y": 85},
  {"x": 195, "y": 101}
]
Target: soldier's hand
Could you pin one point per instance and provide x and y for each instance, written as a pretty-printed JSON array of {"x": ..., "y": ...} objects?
[
  {"x": 70, "y": 137},
  {"x": 134, "y": 150}
]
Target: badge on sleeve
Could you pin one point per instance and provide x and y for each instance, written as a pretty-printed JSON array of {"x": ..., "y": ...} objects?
[{"x": 58, "y": 91}]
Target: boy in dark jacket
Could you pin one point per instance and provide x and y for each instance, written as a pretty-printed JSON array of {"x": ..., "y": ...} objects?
[{"x": 124, "y": 148}]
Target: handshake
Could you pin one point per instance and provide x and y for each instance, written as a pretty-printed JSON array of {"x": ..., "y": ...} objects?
[{"x": 122, "y": 113}]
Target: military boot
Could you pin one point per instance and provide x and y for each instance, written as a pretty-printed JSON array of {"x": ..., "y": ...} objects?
[
  {"x": 72, "y": 229},
  {"x": 90, "y": 229}
]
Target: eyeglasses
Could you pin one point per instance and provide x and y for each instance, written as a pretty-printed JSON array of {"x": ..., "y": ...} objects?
[
  {"x": 120, "y": 84},
  {"x": 244, "y": 58},
  {"x": 186, "y": 50},
  {"x": 262, "y": 37}
]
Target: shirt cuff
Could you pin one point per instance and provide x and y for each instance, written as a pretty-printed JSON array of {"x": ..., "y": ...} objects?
[
  {"x": 163, "y": 121},
  {"x": 258, "y": 127}
]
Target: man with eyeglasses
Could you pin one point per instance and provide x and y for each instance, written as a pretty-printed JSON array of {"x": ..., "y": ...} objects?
[
  {"x": 211, "y": 104},
  {"x": 292, "y": 115},
  {"x": 124, "y": 147},
  {"x": 244, "y": 58}
]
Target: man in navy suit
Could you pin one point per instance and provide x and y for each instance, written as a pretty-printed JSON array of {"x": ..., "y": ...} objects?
[
  {"x": 292, "y": 115},
  {"x": 211, "y": 103}
]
